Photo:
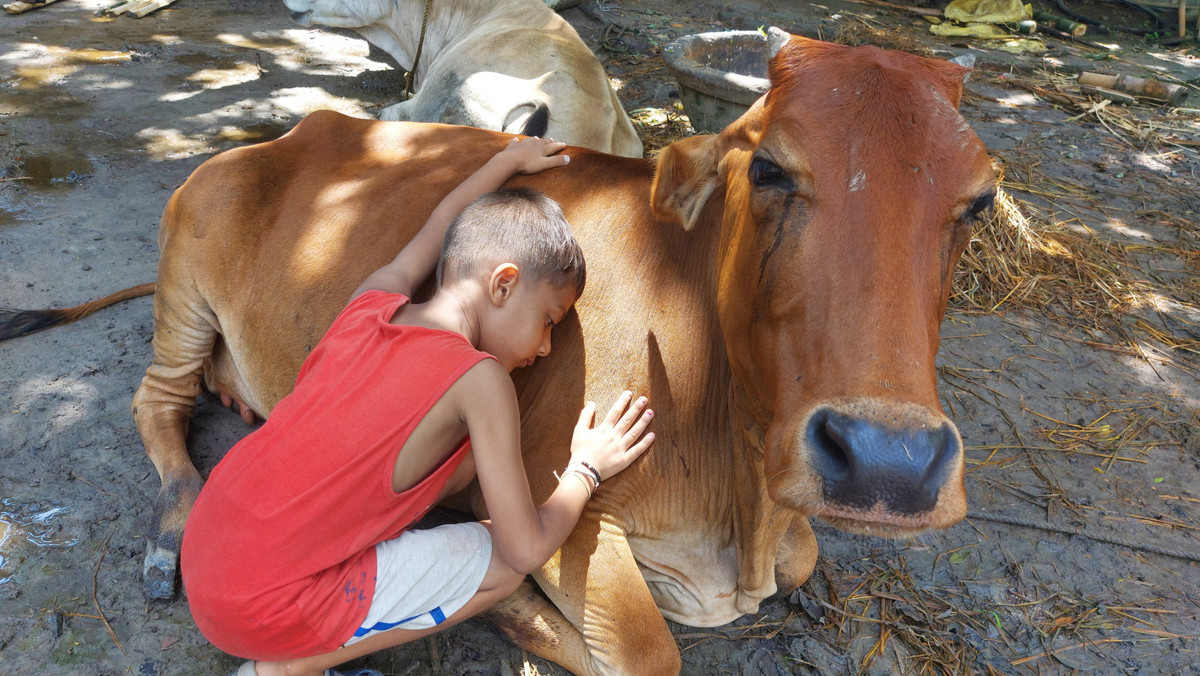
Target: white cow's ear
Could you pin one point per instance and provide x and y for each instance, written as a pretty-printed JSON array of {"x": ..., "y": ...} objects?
[
  {"x": 776, "y": 39},
  {"x": 684, "y": 178}
]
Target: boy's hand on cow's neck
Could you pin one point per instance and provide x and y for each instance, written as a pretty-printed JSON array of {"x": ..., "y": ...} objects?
[
  {"x": 532, "y": 154},
  {"x": 616, "y": 441},
  {"x": 418, "y": 259}
]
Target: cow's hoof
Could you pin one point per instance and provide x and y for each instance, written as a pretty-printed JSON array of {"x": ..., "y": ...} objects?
[{"x": 158, "y": 571}]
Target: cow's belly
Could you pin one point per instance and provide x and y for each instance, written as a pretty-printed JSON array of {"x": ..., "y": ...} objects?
[{"x": 692, "y": 582}]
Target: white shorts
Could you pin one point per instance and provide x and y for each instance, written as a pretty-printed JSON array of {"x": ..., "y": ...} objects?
[{"x": 425, "y": 576}]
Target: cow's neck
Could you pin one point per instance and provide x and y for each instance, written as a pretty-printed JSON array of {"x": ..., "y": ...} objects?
[{"x": 759, "y": 524}]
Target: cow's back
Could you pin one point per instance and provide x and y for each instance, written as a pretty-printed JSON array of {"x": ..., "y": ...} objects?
[
  {"x": 276, "y": 236},
  {"x": 273, "y": 238}
]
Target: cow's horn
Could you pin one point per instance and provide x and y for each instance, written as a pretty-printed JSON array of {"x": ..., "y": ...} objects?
[{"x": 776, "y": 38}]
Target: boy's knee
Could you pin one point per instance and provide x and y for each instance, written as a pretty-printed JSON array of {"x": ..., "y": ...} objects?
[
  {"x": 501, "y": 580},
  {"x": 502, "y": 583},
  {"x": 511, "y": 582}
]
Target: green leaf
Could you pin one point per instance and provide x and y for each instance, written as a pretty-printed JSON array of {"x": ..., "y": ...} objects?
[{"x": 996, "y": 619}]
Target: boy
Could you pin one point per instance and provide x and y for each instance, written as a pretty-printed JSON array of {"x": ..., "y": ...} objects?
[{"x": 297, "y": 552}]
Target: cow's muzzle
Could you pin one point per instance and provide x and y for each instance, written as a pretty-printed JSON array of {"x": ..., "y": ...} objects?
[{"x": 894, "y": 466}]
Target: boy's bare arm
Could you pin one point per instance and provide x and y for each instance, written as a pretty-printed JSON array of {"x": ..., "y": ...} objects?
[
  {"x": 417, "y": 260},
  {"x": 525, "y": 535}
]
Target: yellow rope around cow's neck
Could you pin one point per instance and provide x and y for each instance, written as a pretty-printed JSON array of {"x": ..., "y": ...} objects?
[{"x": 411, "y": 76}]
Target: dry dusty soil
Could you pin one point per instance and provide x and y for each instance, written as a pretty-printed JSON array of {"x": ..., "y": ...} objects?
[{"x": 1073, "y": 374}]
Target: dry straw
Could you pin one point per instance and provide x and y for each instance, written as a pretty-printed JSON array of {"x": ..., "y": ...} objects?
[{"x": 1015, "y": 262}]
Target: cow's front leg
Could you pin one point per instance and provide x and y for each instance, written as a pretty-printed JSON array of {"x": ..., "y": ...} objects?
[
  {"x": 797, "y": 556},
  {"x": 529, "y": 620},
  {"x": 603, "y": 619},
  {"x": 162, "y": 409},
  {"x": 398, "y": 112}
]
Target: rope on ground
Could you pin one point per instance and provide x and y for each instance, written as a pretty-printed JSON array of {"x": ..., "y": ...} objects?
[
  {"x": 611, "y": 37},
  {"x": 611, "y": 40},
  {"x": 1120, "y": 542}
]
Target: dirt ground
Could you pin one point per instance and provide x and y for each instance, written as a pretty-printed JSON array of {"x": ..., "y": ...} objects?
[{"x": 1069, "y": 356}]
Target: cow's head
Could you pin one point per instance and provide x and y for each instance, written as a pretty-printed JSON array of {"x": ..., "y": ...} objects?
[
  {"x": 339, "y": 13},
  {"x": 850, "y": 191}
]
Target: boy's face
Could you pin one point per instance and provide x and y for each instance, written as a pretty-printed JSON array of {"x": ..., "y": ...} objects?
[{"x": 523, "y": 322}]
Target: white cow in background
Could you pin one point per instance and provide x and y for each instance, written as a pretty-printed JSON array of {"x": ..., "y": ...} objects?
[{"x": 506, "y": 65}]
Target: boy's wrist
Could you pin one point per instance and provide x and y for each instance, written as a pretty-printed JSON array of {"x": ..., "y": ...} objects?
[
  {"x": 506, "y": 162},
  {"x": 581, "y": 476},
  {"x": 587, "y": 468}
]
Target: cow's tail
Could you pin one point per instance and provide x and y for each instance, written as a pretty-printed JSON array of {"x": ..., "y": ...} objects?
[{"x": 17, "y": 323}]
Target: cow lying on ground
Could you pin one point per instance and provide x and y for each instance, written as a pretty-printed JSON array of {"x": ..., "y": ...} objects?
[
  {"x": 507, "y": 65},
  {"x": 776, "y": 289}
]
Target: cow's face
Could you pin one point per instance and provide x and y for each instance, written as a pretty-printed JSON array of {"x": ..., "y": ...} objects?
[
  {"x": 339, "y": 13},
  {"x": 851, "y": 190}
]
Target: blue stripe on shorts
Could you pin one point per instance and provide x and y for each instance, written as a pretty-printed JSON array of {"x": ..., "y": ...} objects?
[{"x": 436, "y": 614}]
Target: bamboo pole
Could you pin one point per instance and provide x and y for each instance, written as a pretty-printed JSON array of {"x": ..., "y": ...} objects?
[{"x": 22, "y": 6}]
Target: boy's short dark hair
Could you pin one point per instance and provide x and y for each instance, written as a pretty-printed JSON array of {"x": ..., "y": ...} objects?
[{"x": 518, "y": 225}]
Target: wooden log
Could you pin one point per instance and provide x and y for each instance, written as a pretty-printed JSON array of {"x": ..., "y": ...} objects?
[
  {"x": 136, "y": 8},
  {"x": 1138, "y": 86},
  {"x": 1110, "y": 94},
  {"x": 153, "y": 6},
  {"x": 120, "y": 7},
  {"x": 1025, "y": 27},
  {"x": 1075, "y": 28},
  {"x": 21, "y": 6},
  {"x": 1067, "y": 37}
]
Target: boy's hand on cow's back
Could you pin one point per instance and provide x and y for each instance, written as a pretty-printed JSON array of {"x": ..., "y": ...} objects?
[
  {"x": 532, "y": 154},
  {"x": 616, "y": 441}
]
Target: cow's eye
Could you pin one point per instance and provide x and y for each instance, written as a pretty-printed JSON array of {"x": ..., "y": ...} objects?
[
  {"x": 766, "y": 174},
  {"x": 980, "y": 208}
]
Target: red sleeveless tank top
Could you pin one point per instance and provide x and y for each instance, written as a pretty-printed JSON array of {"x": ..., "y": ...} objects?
[{"x": 278, "y": 556}]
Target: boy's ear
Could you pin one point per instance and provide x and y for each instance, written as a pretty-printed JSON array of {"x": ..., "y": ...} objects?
[{"x": 503, "y": 282}]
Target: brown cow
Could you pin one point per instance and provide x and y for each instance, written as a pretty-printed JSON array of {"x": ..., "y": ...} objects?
[{"x": 786, "y": 333}]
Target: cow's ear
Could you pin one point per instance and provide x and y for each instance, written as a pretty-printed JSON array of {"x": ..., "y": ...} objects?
[
  {"x": 955, "y": 73},
  {"x": 684, "y": 178}
]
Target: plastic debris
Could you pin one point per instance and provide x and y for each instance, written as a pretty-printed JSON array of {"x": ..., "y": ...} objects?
[{"x": 988, "y": 11}]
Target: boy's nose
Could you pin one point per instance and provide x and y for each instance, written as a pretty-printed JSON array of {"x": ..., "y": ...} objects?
[{"x": 544, "y": 349}]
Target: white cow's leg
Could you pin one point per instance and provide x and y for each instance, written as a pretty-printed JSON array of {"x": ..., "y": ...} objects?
[{"x": 398, "y": 112}]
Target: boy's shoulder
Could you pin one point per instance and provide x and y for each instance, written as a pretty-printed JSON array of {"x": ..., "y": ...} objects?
[
  {"x": 485, "y": 387},
  {"x": 486, "y": 376}
]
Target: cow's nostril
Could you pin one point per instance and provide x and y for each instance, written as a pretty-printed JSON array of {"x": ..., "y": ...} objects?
[
  {"x": 826, "y": 441},
  {"x": 863, "y": 463}
]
